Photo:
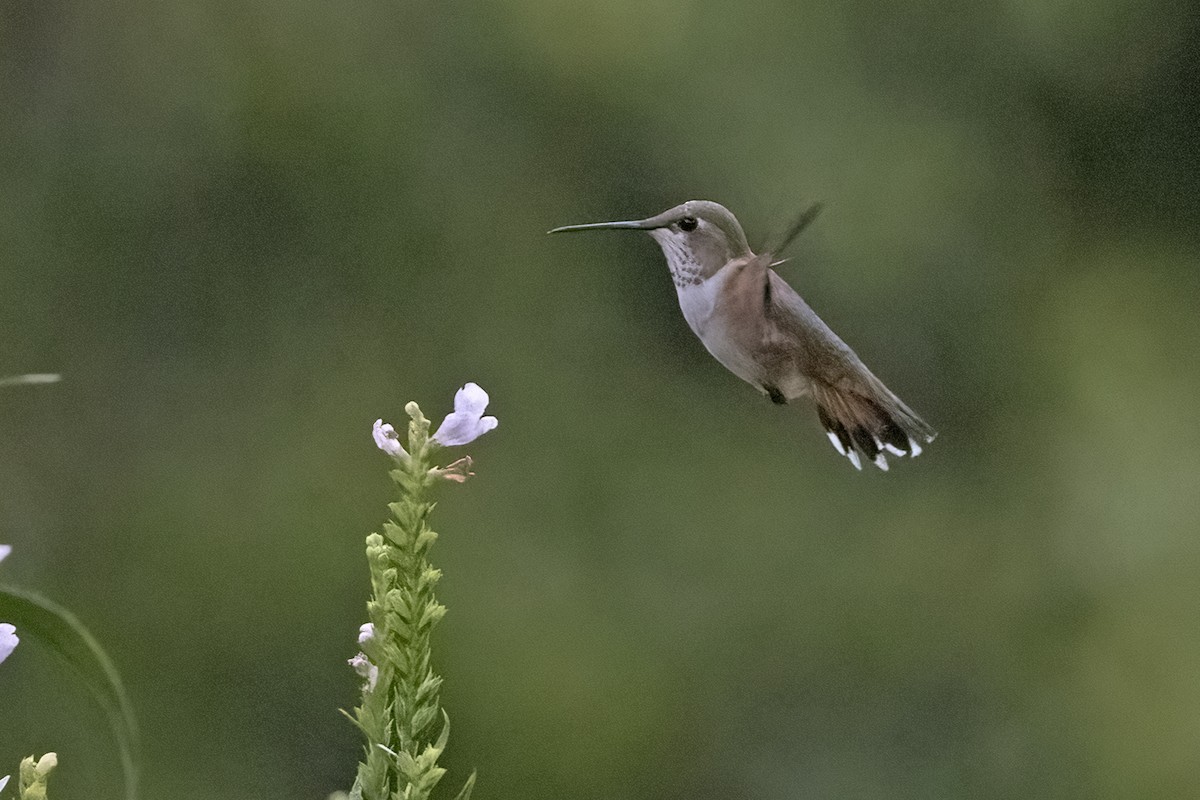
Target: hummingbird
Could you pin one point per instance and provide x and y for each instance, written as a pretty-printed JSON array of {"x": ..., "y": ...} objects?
[{"x": 762, "y": 331}]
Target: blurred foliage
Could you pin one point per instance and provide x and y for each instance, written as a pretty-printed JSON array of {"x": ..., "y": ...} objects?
[
  {"x": 242, "y": 232},
  {"x": 62, "y": 633}
]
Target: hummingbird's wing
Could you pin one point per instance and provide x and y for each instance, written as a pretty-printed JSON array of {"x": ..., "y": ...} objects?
[
  {"x": 862, "y": 417},
  {"x": 776, "y": 248}
]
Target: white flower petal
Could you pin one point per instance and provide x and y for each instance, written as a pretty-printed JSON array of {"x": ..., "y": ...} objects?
[
  {"x": 456, "y": 429},
  {"x": 467, "y": 423},
  {"x": 8, "y": 640},
  {"x": 471, "y": 399},
  {"x": 5, "y": 549},
  {"x": 366, "y": 632},
  {"x": 387, "y": 440}
]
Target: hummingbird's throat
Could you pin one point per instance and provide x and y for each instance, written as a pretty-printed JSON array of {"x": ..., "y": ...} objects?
[{"x": 685, "y": 268}]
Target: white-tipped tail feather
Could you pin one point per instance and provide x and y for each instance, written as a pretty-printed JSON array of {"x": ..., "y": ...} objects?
[{"x": 866, "y": 423}]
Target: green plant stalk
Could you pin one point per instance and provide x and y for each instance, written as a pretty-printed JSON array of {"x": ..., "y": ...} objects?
[{"x": 400, "y": 714}]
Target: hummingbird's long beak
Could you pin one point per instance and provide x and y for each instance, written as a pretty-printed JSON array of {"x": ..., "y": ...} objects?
[{"x": 631, "y": 225}]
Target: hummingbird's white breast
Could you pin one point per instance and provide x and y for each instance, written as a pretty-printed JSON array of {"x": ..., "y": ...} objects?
[{"x": 704, "y": 307}]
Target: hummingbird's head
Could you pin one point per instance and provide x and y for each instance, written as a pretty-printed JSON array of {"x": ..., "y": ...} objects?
[{"x": 697, "y": 237}]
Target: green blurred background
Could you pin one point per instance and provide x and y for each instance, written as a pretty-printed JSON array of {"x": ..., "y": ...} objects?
[{"x": 244, "y": 231}]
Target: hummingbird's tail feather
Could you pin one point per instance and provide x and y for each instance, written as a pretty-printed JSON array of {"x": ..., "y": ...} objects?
[{"x": 868, "y": 426}]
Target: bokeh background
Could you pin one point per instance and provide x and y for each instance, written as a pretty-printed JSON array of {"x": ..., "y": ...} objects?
[{"x": 242, "y": 232}]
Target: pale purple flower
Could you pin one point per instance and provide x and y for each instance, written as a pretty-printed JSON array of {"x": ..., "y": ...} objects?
[
  {"x": 5, "y": 549},
  {"x": 387, "y": 440},
  {"x": 365, "y": 669},
  {"x": 366, "y": 632},
  {"x": 8, "y": 640},
  {"x": 467, "y": 423}
]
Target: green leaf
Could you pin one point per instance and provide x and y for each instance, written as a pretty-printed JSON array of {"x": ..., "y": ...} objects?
[
  {"x": 428, "y": 688},
  {"x": 406, "y": 764},
  {"x": 465, "y": 792},
  {"x": 444, "y": 736},
  {"x": 353, "y": 720},
  {"x": 65, "y": 635},
  {"x": 421, "y": 718}
]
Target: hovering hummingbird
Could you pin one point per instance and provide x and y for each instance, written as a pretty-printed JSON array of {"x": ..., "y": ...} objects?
[{"x": 761, "y": 330}]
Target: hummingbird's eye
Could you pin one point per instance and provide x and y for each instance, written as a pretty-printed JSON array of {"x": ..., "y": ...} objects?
[{"x": 688, "y": 224}]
